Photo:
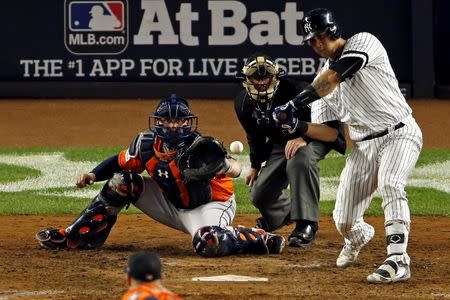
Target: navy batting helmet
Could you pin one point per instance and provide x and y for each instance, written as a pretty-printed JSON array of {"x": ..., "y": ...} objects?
[
  {"x": 317, "y": 21},
  {"x": 173, "y": 109}
]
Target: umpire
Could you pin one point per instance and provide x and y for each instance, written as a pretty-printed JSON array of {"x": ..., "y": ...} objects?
[{"x": 290, "y": 154}]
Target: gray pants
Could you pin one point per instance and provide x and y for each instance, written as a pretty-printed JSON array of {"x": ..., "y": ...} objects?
[
  {"x": 301, "y": 173},
  {"x": 215, "y": 213}
]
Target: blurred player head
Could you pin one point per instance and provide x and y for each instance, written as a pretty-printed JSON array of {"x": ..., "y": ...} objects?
[
  {"x": 261, "y": 77},
  {"x": 173, "y": 121},
  {"x": 143, "y": 266}
]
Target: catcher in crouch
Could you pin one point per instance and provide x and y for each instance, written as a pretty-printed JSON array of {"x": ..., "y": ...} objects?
[{"x": 189, "y": 189}]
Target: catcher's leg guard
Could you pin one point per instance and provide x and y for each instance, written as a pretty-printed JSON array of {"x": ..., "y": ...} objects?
[
  {"x": 94, "y": 224},
  {"x": 255, "y": 240},
  {"x": 214, "y": 241}
]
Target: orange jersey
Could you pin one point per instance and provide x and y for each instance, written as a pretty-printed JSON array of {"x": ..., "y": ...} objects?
[
  {"x": 149, "y": 291},
  {"x": 163, "y": 169}
]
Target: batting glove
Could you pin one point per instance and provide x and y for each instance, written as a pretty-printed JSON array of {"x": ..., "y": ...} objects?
[{"x": 284, "y": 117}]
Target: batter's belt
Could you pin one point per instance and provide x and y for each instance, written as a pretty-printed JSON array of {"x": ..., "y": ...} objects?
[{"x": 383, "y": 133}]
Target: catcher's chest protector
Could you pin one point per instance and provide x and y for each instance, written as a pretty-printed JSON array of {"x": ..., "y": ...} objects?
[{"x": 168, "y": 176}]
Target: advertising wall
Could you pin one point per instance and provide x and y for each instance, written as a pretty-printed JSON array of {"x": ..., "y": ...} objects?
[{"x": 76, "y": 42}]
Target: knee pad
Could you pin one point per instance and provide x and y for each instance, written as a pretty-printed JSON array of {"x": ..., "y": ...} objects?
[
  {"x": 212, "y": 241},
  {"x": 122, "y": 189},
  {"x": 215, "y": 241}
]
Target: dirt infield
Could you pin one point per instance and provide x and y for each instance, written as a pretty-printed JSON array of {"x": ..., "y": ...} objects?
[{"x": 29, "y": 272}]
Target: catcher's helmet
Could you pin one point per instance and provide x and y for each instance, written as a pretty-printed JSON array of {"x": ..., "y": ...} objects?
[
  {"x": 317, "y": 21},
  {"x": 261, "y": 66},
  {"x": 173, "y": 108}
]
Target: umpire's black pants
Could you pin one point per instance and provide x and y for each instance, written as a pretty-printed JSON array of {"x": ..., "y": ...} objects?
[{"x": 301, "y": 173}]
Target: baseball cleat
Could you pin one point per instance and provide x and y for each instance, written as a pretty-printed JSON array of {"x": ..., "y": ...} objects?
[
  {"x": 349, "y": 253},
  {"x": 390, "y": 272},
  {"x": 52, "y": 238}
]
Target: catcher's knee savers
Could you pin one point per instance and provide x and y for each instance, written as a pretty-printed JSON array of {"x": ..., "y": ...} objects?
[
  {"x": 214, "y": 241},
  {"x": 92, "y": 227}
]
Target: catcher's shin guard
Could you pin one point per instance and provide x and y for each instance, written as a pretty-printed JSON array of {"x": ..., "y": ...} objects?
[
  {"x": 92, "y": 227},
  {"x": 255, "y": 240},
  {"x": 214, "y": 241}
]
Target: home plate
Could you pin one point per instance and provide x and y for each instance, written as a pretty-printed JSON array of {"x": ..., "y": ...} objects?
[{"x": 230, "y": 278}]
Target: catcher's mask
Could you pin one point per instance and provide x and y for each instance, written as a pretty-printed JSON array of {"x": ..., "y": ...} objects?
[
  {"x": 261, "y": 77},
  {"x": 175, "y": 111}
]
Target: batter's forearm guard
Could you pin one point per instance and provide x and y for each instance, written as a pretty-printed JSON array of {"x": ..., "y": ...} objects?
[{"x": 306, "y": 97}]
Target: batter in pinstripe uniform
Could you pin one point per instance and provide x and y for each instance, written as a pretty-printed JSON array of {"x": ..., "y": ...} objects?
[{"x": 357, "y": 82}]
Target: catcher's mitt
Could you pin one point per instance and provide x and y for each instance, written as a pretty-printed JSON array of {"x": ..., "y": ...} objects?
[{"x": 203, "y": 159}]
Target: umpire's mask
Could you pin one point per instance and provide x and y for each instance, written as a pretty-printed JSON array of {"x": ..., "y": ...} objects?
[{"x": 261, "y": 77}]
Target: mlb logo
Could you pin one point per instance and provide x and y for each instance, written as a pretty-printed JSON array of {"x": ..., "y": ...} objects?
[
  {"x": 96, "y": 16},
  {"x": 96, "y": 26}
]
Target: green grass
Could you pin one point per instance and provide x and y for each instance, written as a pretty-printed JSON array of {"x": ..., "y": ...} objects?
[
  {"x": 423, "y": 201},
  {"x": 73, "y": 154},
  {"x": 11, "y": 173}
]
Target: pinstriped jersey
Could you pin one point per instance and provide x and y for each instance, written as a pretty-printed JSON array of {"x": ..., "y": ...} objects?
[
  {"x": 370, "y": 101},
  {"x": 321, "y": 112}
]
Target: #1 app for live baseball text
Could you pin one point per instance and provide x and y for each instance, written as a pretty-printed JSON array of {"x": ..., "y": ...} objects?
[{"x": 96, "y": 27}]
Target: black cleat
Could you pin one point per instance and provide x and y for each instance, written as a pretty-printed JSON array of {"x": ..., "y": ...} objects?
[{"x": 52, "y": 238}]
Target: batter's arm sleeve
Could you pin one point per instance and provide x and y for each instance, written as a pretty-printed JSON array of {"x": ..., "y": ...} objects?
[
  {"x": 365, "y": 47},
  {"x": 347, "y": 66}
]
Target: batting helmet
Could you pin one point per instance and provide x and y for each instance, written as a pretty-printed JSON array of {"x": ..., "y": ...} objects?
[
  {"x": 176, "y": 109},
  {"x": 317, "y": 21},
  {"x": 259, "y": 66}
]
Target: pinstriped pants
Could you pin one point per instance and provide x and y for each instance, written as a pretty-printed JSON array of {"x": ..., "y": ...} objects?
[{"x": 379, "y": 165}]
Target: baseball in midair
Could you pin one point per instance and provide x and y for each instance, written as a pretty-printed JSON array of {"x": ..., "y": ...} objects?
[{"x": 236, "y": 147}]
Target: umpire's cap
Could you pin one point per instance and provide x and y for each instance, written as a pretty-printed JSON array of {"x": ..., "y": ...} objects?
[
  {"x": 317, "y": 21},
  {"x": 144, "y": 266}
]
